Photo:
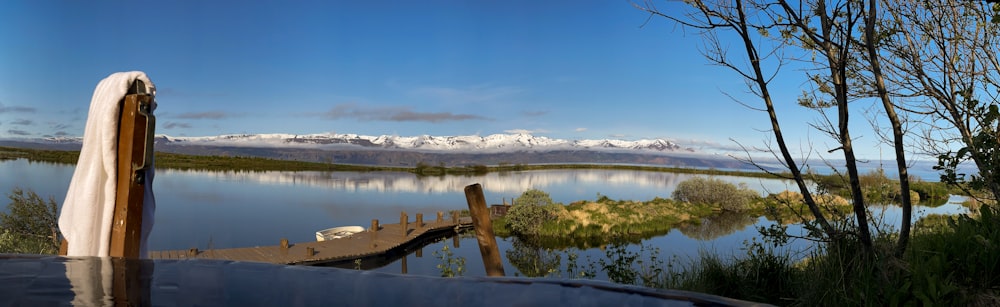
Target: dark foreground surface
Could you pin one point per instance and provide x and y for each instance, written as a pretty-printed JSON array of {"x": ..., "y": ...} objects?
[{"x": 61, "y": 281}]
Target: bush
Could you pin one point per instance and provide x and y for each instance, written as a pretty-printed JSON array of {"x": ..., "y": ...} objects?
[
  {"x": 711, "y": 191},
  {"x": 30, "y": 224},
  {"x": 528, "y": 213},
  {"x": 965, "y": 254}
]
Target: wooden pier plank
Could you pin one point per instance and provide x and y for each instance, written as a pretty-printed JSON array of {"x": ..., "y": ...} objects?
[{"x": 387, "y": 238}]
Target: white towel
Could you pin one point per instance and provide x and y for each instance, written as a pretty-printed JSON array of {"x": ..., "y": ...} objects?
[{"x": 85, "y": 219}]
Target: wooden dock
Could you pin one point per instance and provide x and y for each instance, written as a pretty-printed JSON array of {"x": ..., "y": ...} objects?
[{"x": 365, "y": 244}]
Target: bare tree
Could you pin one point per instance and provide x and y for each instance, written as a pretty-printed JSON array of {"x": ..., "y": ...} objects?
[
  {"x": 871, "y": 43},
  {"x": 829, "y": 28},
  {"x": 841, "y": 41},
  {"x": 945, "y": 54},
  {"x": 732, "y": 16}
]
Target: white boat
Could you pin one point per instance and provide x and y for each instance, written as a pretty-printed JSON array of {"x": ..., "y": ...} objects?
[{"x": 338, "y": 232}]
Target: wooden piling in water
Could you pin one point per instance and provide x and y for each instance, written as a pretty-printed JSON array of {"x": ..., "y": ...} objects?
[{"x": 484, "y": 230}]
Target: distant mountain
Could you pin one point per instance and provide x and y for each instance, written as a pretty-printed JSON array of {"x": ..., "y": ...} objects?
[
  {"x": 470, "y": 143},
  {"x": 410, "y": 150}
]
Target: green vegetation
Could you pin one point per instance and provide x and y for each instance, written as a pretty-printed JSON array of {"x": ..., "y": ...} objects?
[
  {"x": 701, "y": 207},
  {"x": 30, "y": 224},
  {"x": 535, "y": 218},
  {"x": 952, "y": 262},
  {"x": 450, "y": 265},
  {"x": 715, "y": 192},
  {"x": 529, "y": 212}
]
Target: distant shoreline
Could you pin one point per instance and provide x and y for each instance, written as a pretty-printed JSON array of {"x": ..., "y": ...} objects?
[
  {"x": 165, "y": 160},
  {"x": 219, "y": 163}
]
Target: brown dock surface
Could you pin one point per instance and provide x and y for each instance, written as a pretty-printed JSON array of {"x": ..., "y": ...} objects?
[{"x": 360, "y": 245}]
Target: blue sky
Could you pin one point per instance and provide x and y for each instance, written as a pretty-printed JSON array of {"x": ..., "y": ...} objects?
[{"x": 562, "y": 69}]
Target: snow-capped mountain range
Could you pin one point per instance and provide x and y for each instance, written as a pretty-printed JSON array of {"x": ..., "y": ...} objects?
[{"x": 490, "y": 143}]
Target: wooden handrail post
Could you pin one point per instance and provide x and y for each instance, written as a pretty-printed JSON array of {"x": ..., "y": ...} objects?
[
  {"x": 440, "y": 217},
  {"x": 375, "y": 226},
  {"x": 284, "y": 243},
  {"x": 484, "y": 230},
  {"x": 135, "y": 151},
  {"x": 403, "y": 220},
  {"x": 420, "y": 221}
]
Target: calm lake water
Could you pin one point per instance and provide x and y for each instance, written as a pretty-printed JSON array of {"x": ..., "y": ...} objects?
[{"x": 239, "y": 209}]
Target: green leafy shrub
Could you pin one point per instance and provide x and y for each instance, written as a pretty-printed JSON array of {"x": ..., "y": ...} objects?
[
  {"x": 930, "y": 190},
  {"x": 30, "y": 224},
  {"x": 450, "y": 265},
  {"x": 966, "y": 254},
  {"x": 712, "y": 191},
  {"x": 528, "y": 213}
]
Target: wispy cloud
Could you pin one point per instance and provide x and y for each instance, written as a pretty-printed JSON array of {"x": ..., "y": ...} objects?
[
  {"x": 581, "y": 129},
  {"x": 706, "y": 145},
  {"x": 172, "y": 125},
  {"x": 476, "y": 93},
  {"x": 525, "y": 131},
  {"x": 617, "y": 136},
  {"x": 18, "y": 132},
  {"x": 203, "y": 115},
  {"x": 58, "y": 126},
  {"x": 16, "y": 109},
  {"x": 395, "y": 114},
  {"x": 22, "y": 122}
]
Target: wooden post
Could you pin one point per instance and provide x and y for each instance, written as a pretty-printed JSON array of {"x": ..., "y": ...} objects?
[
  {"x": 284, "y": 243},
  {"x": 403, "y": 220},
  {"x": 454, "y": 217},
  {"x": 420, "y": 221},
  {"x": 374, "y": 225},
  {"x": 135, "y": 152},
  {"x": 310, "y": 252},
  {"x": 193, "y": 252},
  {"x": 484, "y": 230},
  {"x": 440, "y": 217}
]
